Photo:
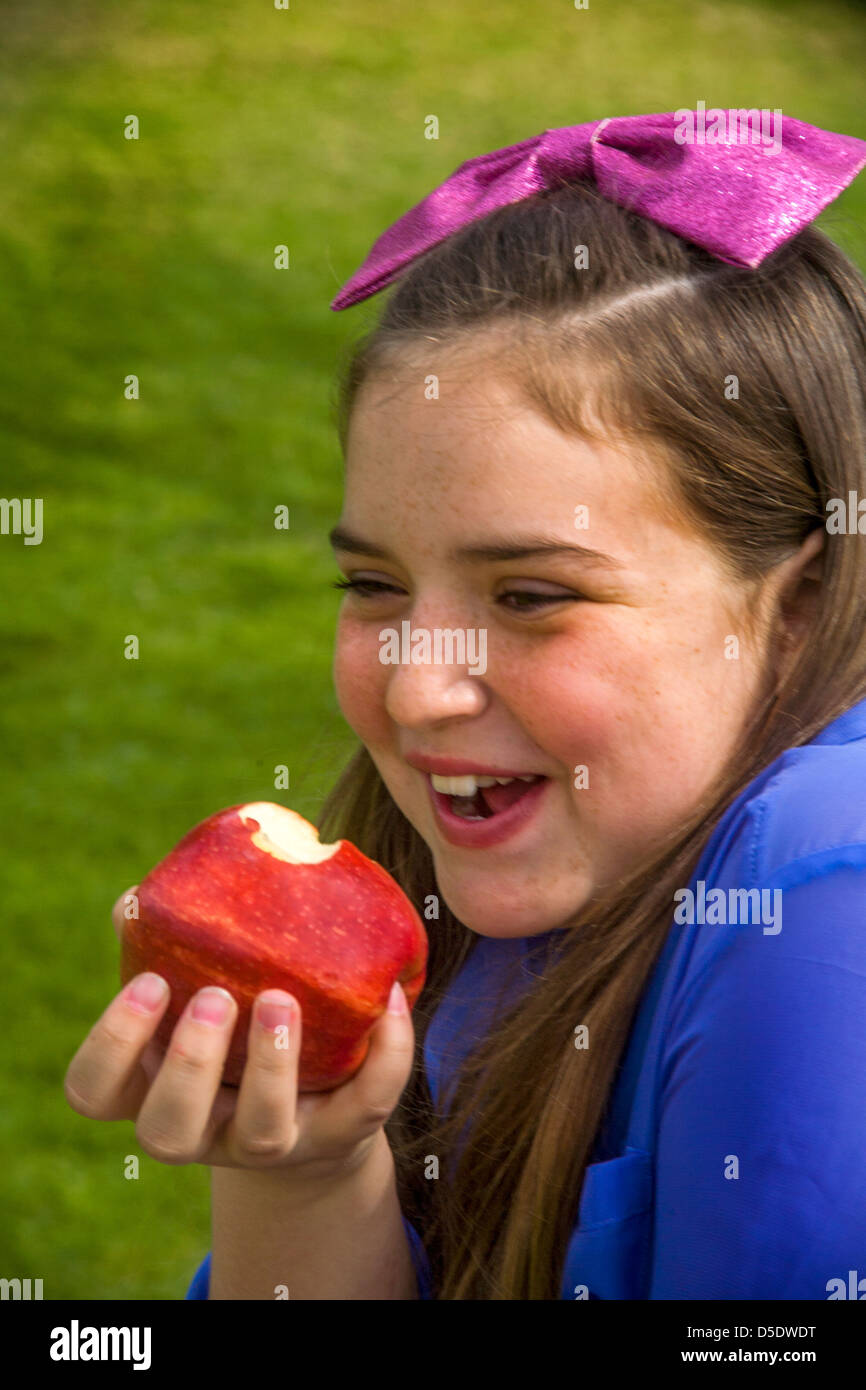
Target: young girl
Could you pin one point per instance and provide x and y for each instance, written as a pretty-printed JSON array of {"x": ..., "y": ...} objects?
[{"x": 599, "y": 434}]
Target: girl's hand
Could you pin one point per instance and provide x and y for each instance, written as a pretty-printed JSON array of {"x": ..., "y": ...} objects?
[{"x": 183, "y": 1114}]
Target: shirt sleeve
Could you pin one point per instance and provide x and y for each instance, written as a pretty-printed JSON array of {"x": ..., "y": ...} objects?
[
  {"x": 200, "y": 1286},
  {"x": 761, "y": 1158}
]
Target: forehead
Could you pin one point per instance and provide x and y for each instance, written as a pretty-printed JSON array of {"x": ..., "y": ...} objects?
[{"x": 451, "y": 431}]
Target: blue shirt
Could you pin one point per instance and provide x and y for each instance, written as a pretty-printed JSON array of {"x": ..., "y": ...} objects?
[{"x": 732, "y": 1163}]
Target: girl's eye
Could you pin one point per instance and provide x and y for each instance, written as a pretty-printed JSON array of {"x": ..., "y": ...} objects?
[
  {"x": 529, "y": 600},
  {"x": 524, "y": 600},
  {"x": 365, "y": 588}
]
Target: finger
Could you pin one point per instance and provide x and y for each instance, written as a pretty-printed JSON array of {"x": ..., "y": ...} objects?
[
  {"x": 264, "y": 1128},
  {"x": 105, "y": 1079},
  {"x": 118, "y": 912},
  {"x": 366, "y": 1101},
  {"x": 223, "y": 1109},
  {"x": 175, "y": 1122}
]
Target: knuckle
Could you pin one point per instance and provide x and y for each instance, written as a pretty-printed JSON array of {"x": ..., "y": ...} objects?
[
  {"x": 373, "y": 1114},
  {"x": 111, "y": 1036},
  {"x": 158, "y": 1144},
  {"x": 377, "y": 1096},
  {"x": 78, "y": 1100},
  {"x": 264, "y": 1148},
  {"x": 404, "y": 1045},
  {"x": 271, "y": 1059},
  {"x": 190, "y": 1064}
]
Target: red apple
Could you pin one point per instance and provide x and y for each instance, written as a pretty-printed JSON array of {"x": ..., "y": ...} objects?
[{"x": 251, "y": 900}]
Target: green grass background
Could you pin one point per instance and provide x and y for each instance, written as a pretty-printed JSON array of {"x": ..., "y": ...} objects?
[{"x": 155, "y": 257}]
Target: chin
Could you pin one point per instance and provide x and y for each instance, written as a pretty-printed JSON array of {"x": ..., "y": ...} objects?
[{"x": 504, "y": 909}]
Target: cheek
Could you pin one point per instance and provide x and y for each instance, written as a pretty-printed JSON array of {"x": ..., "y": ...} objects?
[
  {"x": 574, "y": 721},
  {"x": 576, "y": 694},
  {"x": 359, "y": 678},
  {"x": 642, "y": 710}
]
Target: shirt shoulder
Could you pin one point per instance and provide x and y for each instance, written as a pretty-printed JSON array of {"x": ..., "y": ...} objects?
[
  {"x": 781, "y": 882},
  {"x": 760, "y": 1130},
  {"x": 802, "y": 819},
  {"x": 813, "y": 805}
]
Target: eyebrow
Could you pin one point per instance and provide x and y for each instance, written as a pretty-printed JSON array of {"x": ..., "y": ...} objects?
[{"x": 511, "y": 548}]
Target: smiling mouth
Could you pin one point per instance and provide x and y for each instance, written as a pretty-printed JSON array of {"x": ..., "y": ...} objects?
[{"x": 481, "y": 802}]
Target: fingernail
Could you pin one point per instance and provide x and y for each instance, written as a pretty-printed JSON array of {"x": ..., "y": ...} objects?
[
  {"x": 146, "y": 992},
  {"x": 212, "y": 1005},
  {"x": 397, "y": 999},
  {"x": 275, "y": 1010}
]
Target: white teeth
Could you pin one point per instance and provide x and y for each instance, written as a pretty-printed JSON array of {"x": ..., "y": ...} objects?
[
  {"x": 467, "y": 786},
  {"x": 458, "y": 786}
]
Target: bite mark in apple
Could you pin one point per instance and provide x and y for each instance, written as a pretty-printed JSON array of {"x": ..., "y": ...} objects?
[{"x": 285, "y": 834}]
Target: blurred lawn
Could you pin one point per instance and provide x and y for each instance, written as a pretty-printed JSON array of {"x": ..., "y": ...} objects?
[{"x": 155, "y": 257}]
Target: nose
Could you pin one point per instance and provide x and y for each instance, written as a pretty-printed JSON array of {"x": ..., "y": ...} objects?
[{"x": 428, "y": 692}]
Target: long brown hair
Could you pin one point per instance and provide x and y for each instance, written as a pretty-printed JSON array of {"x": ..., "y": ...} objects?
[{"x": 663, "y": 328}]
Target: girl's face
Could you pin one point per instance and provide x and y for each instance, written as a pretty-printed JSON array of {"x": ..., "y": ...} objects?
[{"x": 612, "y": 681}]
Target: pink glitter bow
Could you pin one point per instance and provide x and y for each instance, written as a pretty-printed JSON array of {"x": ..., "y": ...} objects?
[{"x": 738, "y": 200}]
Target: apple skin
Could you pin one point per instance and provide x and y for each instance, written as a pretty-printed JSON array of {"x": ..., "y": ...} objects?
[{"x": 218, "y": 910}]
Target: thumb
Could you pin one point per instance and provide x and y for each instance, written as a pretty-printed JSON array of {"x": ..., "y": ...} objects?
[
  {"x": 394, "y": 1031},
  {"x": 387, "y": 1066}
]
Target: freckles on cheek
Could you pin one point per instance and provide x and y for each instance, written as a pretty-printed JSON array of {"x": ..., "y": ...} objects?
[
  {"x": 572, "y": 724},
  {"x": 574, "y": 707},
  {"x": 359, "y": 680}
]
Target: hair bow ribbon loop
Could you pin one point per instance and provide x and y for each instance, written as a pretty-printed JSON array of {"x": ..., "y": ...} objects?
[{"x": 738, "y": 198}]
